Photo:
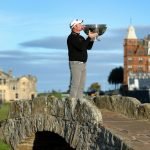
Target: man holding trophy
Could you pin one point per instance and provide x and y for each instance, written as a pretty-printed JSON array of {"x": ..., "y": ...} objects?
[{"x": 77, "y": 52}]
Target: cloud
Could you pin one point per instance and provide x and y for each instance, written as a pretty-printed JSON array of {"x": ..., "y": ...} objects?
[
  {"x": 32, "y": 56},
  {"x": 60, "y": 43},
  {"x": 48, "y": 42},
  {"x": 112, "y": 39}
]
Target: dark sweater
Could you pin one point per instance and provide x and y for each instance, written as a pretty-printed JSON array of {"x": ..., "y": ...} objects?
[{"x": 78, "y": 46}]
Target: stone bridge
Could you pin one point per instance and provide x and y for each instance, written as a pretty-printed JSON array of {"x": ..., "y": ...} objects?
[{"x": 79, "y": 124}]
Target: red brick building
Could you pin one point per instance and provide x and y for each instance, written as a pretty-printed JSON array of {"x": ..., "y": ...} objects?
[{"x": 136, "y": 61}]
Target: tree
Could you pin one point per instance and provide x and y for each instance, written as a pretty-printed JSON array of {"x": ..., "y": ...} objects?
[
  {"x": 94, "y": 87},
  {"x": 56, "y": 94},
  {"x": 116, "y": 76}
]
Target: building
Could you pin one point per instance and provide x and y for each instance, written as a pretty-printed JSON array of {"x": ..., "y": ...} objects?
[
  {"x": 20, "y": 88},
  {"x": 136, "y": 61}
]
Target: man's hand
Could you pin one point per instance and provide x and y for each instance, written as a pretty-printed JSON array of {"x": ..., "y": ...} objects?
[{"x": 92, "y": 35}]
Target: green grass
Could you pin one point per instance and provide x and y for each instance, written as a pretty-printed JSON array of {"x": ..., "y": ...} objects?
[
  {"x": 4, "y": 146},
  {"x": 4, "y": 111}
]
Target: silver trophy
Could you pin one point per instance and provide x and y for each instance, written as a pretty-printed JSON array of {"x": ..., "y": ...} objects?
[{"x": 96, "y": 28}]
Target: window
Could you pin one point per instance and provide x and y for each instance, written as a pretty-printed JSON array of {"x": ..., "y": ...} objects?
[
  {"x": 140, "y": 59},
  {"x": 129, "y": 67},
  {"x": 130, "y": 52},
  {"x": 23, "y": 83},
  {"x": 130, "y": 58},
  {"x": 14, "y": 88},
  {"x": 148, "y": 51},
  {"x": 4, "y": 81},
  {"x": 140, "y": 68},
  {"x": 17, "y": 96},
  {"x": 140, "y": 52}
]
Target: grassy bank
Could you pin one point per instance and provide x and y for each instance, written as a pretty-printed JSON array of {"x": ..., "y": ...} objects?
[
  {"x": 4, "y": 146},
  {"x": 4, "y": 111}
]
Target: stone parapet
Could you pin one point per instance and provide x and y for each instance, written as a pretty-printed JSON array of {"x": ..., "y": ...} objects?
[
  {"x": 81, "y": 110},
  {"x": 129, "y": 106}
]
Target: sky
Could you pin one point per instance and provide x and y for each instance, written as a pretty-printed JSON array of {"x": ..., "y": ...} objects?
[{"x": 33, "y": 36}]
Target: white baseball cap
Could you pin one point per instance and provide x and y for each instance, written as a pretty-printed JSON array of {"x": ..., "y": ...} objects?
[{"x": 75, "y": 22}]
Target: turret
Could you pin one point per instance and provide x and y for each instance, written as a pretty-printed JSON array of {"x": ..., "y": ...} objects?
[{"x": 131, "y": 33}]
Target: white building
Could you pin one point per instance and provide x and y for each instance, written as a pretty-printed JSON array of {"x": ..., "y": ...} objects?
[
  {"x": 139, "y": 81},
  {"x": 20, "y": 88}
]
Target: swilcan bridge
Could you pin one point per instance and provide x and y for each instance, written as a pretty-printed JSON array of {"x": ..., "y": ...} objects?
[{"x": 47, "y": 122}]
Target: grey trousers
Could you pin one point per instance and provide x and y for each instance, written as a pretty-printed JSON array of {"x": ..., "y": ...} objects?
[{"x": 77, "y": 79}]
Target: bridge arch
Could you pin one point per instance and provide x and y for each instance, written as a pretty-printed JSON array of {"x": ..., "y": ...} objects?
[{"x": 44, "y": 140}]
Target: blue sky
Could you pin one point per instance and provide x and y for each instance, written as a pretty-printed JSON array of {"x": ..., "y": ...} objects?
[{"x": 33, "y": 37}]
